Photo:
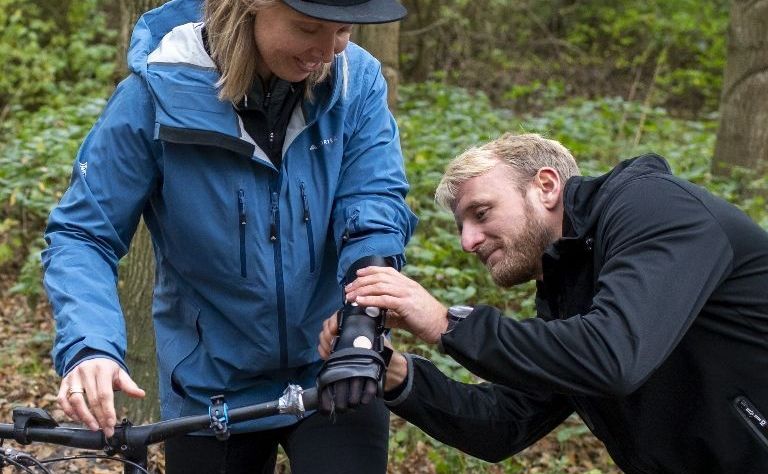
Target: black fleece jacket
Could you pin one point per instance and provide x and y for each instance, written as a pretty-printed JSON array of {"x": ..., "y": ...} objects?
[{"x": 652, "y": 325}]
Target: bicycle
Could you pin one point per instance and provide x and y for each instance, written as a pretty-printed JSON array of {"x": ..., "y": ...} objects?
[{"x": 129, "y": 443}]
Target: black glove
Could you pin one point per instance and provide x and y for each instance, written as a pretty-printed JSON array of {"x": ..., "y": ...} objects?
[{"x": 354, "y": 373}]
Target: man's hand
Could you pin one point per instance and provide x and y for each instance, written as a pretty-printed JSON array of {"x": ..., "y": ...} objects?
[
  {"x": 410, "y": 306},
  {"x": 398, "y": 366},
  {"x": 87, "y": 393}
]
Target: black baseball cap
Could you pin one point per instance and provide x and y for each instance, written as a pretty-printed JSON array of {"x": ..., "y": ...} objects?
[{"x": 350, "y": 11}]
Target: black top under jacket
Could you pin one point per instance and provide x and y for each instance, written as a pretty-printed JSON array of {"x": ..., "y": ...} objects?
[
  {"x": 266, "y": 111},
  {"x": 652, "y": 325}
]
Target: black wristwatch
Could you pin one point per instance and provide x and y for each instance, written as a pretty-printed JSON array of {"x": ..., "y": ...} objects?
[{"x": 457, "y": 314}]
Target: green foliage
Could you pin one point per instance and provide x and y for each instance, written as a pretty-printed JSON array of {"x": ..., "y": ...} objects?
[
  {"x": 58, "y": 59},
  {"x": 528, "y": 54},
  {"x": 52, "y": 52},
  {"x": 683, "y": 39}
]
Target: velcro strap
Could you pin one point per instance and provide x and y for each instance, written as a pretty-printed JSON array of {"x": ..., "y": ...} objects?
[{"x": 349, "y": 363}]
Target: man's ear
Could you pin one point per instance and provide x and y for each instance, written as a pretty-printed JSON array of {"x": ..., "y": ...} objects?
[{"x": 549, "y": 186}]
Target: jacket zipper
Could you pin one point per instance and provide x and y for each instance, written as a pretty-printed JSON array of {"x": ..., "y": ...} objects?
[
  {"x": 273, "y": 222},
  {"x": 282, "y": 327},
  {"x": 308, "y": 224},
  {"x": 348, "y": 228},
  {"x": 242, "y": 221}
]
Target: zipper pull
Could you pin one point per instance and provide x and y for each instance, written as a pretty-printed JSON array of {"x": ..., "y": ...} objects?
[
  {"x": 241, "y": 206},
  {"x": 306, "y": 202},
  {"x": 273, "y": 224},
  {"x": 348, "y": 228}
]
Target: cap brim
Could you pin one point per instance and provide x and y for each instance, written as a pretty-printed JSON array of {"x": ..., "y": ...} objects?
[{"x": 370, "y": 12}]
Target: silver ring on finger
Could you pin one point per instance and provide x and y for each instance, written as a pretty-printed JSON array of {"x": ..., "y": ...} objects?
[{"x": 73, "y": 390}]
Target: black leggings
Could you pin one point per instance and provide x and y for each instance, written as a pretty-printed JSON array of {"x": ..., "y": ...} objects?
[{"x": 355, "y": 443}]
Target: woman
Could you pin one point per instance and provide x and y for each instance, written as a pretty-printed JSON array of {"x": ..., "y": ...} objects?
[{"x": 258, "y": 147}]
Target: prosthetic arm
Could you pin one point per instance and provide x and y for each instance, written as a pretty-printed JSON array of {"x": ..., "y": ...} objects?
[{"x": 354, "y": 373}]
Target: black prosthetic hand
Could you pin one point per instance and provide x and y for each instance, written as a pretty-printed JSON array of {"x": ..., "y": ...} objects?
[{"x": 354, "y": 373}]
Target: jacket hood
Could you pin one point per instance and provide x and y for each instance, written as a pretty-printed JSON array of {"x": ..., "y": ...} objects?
[
  {"x": 153, "y": 25},
  {"x": 590, "y": 195}
]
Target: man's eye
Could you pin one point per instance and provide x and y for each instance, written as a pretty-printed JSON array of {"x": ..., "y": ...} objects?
[{"x": 480, "y": 214}]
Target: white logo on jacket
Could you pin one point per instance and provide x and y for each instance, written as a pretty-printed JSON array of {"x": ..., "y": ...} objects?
[
  {"x": 325, "y": 141},
  {"x": 84, "y": 169}
]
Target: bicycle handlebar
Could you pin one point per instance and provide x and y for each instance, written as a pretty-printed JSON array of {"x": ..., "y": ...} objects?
[{"x": 129, "y": 439}]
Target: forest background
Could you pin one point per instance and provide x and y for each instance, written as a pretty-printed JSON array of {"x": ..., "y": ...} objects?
[{"x": 610, "y": 79}]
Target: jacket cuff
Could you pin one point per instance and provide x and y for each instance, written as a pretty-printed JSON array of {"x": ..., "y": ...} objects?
[
  {"x": 399, "y": 394},
  {"x": 88, "y": 354}
]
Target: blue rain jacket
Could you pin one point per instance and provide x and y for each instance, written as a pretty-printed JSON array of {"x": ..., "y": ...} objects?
[{"x": 249, "y": 257}]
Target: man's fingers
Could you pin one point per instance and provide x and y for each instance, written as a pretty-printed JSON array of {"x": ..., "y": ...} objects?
[
  {"x": 374, "y": 284},
  {"x": 367, "y": 280},
  {"x": 377, "y": 271},
  {"x": 381, "y": 301}
]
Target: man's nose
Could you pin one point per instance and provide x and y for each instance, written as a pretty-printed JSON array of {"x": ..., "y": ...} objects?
[{"x": 471, "y": 238}]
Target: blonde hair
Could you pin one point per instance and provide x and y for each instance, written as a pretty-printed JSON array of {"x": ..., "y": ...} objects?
[
  {"x": 229, "y": 25},
  {"x": 524, "y": 154}
]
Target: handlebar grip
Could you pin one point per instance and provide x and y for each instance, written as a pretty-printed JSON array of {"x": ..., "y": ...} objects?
[{"x": 310, "y": 398}]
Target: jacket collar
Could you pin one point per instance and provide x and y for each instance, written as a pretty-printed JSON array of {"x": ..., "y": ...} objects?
[{"x": 586, "y": 197}]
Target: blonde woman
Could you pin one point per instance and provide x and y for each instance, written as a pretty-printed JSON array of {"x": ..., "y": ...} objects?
[{"x": 255, "y": 141}]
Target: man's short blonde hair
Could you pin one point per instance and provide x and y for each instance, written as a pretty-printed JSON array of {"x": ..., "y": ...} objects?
[{"x": 524, "y": 154}]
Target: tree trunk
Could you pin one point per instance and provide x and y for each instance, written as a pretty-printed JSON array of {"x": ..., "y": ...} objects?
[
  {"x": 742, "y": 137},
  {"x": 137, "y": 272},
  {"x": 383, "y": 42},
  {"x": 130, "y": 10},
  {"x": 137, "y": 276}
]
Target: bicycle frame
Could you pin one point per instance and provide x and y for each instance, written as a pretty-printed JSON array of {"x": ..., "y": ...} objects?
[{"x": 130, "y": 442}]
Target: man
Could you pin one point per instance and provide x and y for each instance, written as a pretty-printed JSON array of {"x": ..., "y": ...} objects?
[{"x": 652, "y": 302}]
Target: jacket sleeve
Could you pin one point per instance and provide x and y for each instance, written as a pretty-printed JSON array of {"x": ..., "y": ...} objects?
[
  {"x": 488, "y": 421},
  {"x": 92, "y": 226},
  {"x": 370, "y": 215},
  {"x": 664, "y": 256}
]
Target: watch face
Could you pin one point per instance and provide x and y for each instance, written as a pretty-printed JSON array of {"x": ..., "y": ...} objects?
[{"x": 459, "y": 312}]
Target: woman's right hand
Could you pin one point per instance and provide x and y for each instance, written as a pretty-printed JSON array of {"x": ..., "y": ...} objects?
[{"x": 87, "y": 393}]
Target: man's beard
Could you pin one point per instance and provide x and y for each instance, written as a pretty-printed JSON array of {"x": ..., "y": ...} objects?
[{"x": 521, "y": 259}]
